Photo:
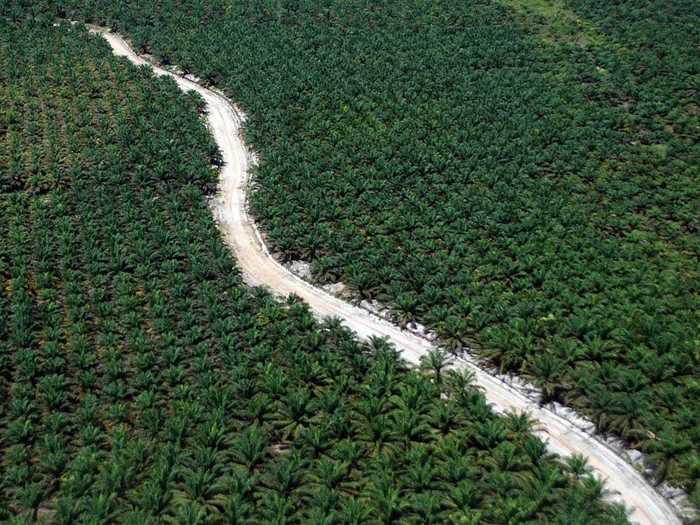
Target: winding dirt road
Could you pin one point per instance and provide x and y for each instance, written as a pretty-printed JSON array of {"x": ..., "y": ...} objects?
[{"x": 647, "y": 506}]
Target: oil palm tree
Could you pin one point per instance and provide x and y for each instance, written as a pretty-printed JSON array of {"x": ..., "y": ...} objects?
[
  {"x": 664, "y": 452},
  {"x": 295, "y": 407},
  {"x": 428, "y": 507},
  {"x": 286, "y": 475},
  {"x": 445, "y": 417},
  {"x": 435, "y": 362},
  {"x": 354, "y": 512},
  {"x": 250, "y": 448},
  {"x": 277, "y": 509},
  {"x": 235, "y": 509},
  {"x": 548, "y": 373},
  {"x": 577, "y": 464},
  {"x": 489, "y": 433},
  {"x": 386, "y": 501}
]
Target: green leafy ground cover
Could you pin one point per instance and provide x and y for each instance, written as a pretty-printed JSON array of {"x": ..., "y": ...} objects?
[
  {"x": 141, "y": 382},
  {"x": 522, "y": 176}
]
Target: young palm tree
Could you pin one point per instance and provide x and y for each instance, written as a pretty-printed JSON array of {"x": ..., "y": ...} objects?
[
  {"x": 435, "y": 362},
  {"x": 547, "y": 371},
  {"x": 577, "y": 464},
  {"x": 349, "y": 451},
  {"x": 594, "y": 489},
  {"x": 386, "y": 501},
  {"x": 490, "y": 433},
  {"x": 467, "y": 517},
  {"x": 259, "y": 409},
  {"x": 318, "y": 516},
  {"x": 250, "y": 448},
  {"x": 330, "y": 473},
  {"x": 454, "y": 333},
  {"x": 286, "y": 474},
  {"x": 295, "y": 406},
  {"x": 314, "y": 440},
  {"x": 664, "y": 451},
  {"x": 519, "y": 423},
  {"x": 235, "y": 509},
  {"x": 406, "y": 308},
  {"x": 428, "y": 506},
  {"x": 444, "y": 417},
  {"x": 30, "y": 497},
  {"x": 408, "y": 426},
  {"x": 277, "y": 509},
  {"x": 354, "y": 512},
  {"x": 461, "y": 381}
]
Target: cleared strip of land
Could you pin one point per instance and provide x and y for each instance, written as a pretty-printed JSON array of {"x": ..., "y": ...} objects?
[{"x": 259, "y": 268}]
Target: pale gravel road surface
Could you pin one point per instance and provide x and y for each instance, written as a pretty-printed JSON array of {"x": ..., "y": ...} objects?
[{"x": 259, "y": 268}]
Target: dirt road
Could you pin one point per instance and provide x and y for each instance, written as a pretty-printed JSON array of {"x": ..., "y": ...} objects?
[{"x": 259, "y": 268}]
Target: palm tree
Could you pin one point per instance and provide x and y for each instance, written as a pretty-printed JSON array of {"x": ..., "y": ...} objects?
[
  {"x": 467, "y": 517},
  {"x": 277, "y": 509},
  {"x": 519, "y": 423},
  {"x": 31, "y": 495},
  {"x": 383, "y": 350},
  {"x": 461, "y": 381},
  {"x": 67, "y": 510},
  {"x": 599, "y": 398},
  {"x": 593, "y": 489},
  {"x": 250, "y": 448},
  {"x": 428, "y": 505},
  {"x": 348, "y": 451},
  {"x": 330, "y": 473},
  {"x": 235, "y": 509},
  {"x": 335, "y": 328},
  {"x": 615, "y": 514},
  {"x": 514, "y": 510},
  {"x": 362, "y": 282},
  {"x": 453, "y": 333},
  {"x": 435, "y": 362},
  {"x": 547, "y": 370},
  {"x": 406, "y": 306},
  {"x": 258, "y": 410},
  {"x": 506, "y": 457},
  {"x": 286, "y": 474},
  {"x": 489, "y": 433},
  {"x": 465, "y": 495},
  {"x": 444, "y": 417},
  {"x": 408, "y": 425},
  {"x": 190, "y": 513},
  {"x": 540, "y": 489},
  {"x": 420, "y": 456},
  {"x": 354, "y": 512},
  {"x": 536, "y": 450},
  {"x": 314, "y": 440},
  {"x": 597, "y": 349},
  {"x": 319, "y": 516},
  {"x": 274, "y": 381},
  {"x": 386, "y": 500},
  {"x": 340, "y": 424},
  {"x": 625, "y": 413},
  {"x": 577, "y": 464},
  {"x": 497, "y": 484},
  {"x": 376, "y": 432},
  {"x": 665, "y": 451},
  {"x": 295, "y": 406}
]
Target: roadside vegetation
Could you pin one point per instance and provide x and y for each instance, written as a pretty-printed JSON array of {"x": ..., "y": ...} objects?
[
  {"x": 520, "y": 176},
  {"x": 142, "y": 382}
]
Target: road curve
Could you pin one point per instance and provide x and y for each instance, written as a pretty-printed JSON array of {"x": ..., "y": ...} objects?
[{"x": 647, "y": 506}]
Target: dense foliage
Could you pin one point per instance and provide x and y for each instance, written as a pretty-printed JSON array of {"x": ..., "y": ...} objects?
[
  {"x": 141, "y": 382},
  {"x": 521, "y": 176}
]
